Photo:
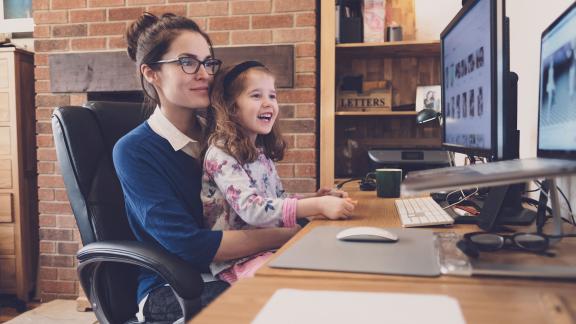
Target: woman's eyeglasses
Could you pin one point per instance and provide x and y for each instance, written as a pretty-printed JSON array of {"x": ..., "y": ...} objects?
[
  {"x": 476, "y": 242},
  {"x": 191, "y": 65}
]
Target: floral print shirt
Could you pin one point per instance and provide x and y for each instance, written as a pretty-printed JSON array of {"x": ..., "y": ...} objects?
[{"x": 238, "y": 197}]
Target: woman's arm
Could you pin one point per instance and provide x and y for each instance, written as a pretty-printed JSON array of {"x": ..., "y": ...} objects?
[{"x": 237, "y": 244}]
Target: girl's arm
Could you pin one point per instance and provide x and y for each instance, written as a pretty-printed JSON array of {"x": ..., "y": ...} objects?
[{"x": 237, "y": 244}]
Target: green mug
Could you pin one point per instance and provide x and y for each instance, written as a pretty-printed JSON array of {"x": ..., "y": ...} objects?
[{"x": 388, "y": 183}]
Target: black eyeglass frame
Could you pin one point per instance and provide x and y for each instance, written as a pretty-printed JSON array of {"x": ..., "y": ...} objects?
[
  {"x": 507, "y": 241},
  {"x": 203, "y": 63}
]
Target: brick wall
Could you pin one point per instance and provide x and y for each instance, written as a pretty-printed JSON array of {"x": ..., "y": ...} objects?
[{"x": 98, "y": 25}]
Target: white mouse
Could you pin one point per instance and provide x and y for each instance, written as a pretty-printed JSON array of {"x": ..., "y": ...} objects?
[{"x": 365, "y": 233}]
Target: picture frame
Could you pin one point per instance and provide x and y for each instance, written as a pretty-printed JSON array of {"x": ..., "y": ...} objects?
[{"x": 429, "y": 97}]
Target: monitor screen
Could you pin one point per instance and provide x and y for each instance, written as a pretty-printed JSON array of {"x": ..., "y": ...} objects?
[
  {"x": 467, "y": 90},
  {"x": 557, "y": 105}
]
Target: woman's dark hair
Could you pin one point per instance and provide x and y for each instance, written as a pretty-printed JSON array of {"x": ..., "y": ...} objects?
[
  {"x": 149, "y": 37},
  {"x": 227, "y": 133}
]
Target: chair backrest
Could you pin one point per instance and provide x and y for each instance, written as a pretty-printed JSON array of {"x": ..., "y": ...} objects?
[{"x": 84, "y": 138}]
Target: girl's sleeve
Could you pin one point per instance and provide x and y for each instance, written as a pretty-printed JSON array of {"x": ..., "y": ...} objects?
[{"x": 239, "y": 190}]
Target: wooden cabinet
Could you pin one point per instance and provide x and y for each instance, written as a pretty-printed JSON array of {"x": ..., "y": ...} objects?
[
  {"x": 18, "y": 176},
  {"x": 345, "y": 136}
]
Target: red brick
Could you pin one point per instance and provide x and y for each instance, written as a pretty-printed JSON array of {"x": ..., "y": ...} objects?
[
  {"x": 305, "y": 111},
  {"x": 45, "y": 194},
  {"x": 45, "y": 140},
  {"x": 296, "y": 95},
  {"x": 285, "y": 170},
  {"x": 68, "y": 4},
  {"x": 300, "y": 156},
  {"x": 42, "y": 86},
  {"x": 53, "y": 207},
  {"x": 294, "y": 5},
  {"x": 50, "y": 234},
  {"x": 78, "y": 99},
  {"x": 305, "y": 171},
  {"x": 66, "y": 221},
  {"x": 295, "y": 35},
  {"x": 286, "y": 111},
  {"x": 51, "y": 45},
  {"x": 50, "y": 286},
  {"x": 250, "y": 7},
  {"x": 89, "y": 15},
  {"x": 299, "y": 185},
  {"x": 297, "y": 125},
  {"x": 305, "y": 141},
  {"x": 306, "y": 19},
  {"x": 179, "y": 9},
  {"x": 50, "y": 17},
  {"x": 116, "y": 28},
  {"x": 251, "y": 37},
  {"x": 229, "y": 23},
  {"x": 116, "y": 42},
  {"x": 47, "y": 220},
  {"x": 124, "y": 13},
  {"x": 220, "y": 38},
  {"x": 60, "y": 195},
  {"x": 45, "y": 167},
  {"x": 82, "y": 44},
  {"x": 43, "y": 128},
  {"x": 50, "y": 181},
  {"x": 52, "y": 100},
  {"x": 307, "y": 80},
  {"x": 40, "y": 5},
  {"x": 290, "y": 141},
  {"x": 139, "y": 2},
  {"x": 272, "y": 21},
  {"x": 67, "y": 248},
  {"x": 67, "y": 274},
  {"x": 305, "y": 64},
  {"x": 41, "y": 31},
  {"x": 48, "y": 273},
  {"x": 44, "y": 113},
  {"x": 206, "y": 9},
  {"x": 46, "y": 154},
  {"x": 40, "y": 59},
  {"x": 105, "y": 3},
  {"x": 305, "y": 49},
  {"x": 69, "y": 30}
]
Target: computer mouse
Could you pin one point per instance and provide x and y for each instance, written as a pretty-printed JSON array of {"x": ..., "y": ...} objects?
[{"x": 366, "y": 233}]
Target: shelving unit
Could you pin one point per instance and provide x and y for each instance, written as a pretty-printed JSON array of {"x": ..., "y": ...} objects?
[{"x": 345, "y": 136}]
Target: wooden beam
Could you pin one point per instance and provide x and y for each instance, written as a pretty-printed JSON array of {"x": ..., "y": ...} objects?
[{"x": 114, "y": 71}]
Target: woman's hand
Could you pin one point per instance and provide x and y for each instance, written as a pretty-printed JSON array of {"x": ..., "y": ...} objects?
[
  {"x": 336, "y": 208},
  {"x": 331, "y": 192}
]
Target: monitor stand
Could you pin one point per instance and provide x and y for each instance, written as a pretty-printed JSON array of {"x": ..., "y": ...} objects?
[{"x": 503, "y": 206}]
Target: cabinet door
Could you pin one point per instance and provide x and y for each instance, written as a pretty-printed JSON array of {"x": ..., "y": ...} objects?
[
  {"x": 4, "y": 107},
  {"x": 5, "y": 208},
  {"x": 5, "y": 173},
  {"x": 6, "y": 239},
  {"x": 7, "y": 274}
]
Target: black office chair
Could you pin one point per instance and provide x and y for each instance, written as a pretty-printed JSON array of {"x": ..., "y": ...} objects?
[{"x": 109, "y": 261}]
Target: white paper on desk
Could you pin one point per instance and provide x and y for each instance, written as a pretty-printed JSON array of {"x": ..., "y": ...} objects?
[{"x": 291, "y": 306}]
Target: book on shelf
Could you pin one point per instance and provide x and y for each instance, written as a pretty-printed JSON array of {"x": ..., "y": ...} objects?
[{"x": 374, "y": 16}]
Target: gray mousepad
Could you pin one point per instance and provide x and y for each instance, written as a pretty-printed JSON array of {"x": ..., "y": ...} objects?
[{"x": 413, "y": 254}]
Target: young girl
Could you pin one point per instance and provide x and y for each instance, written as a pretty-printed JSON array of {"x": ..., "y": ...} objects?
[{"x": 240, "y": 186}]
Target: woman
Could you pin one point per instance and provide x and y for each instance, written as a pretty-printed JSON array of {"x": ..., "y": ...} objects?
[{"x": 158, "y": 162}]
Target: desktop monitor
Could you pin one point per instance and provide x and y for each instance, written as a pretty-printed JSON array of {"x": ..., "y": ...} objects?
[
  {"x": 477, "y": 92},
  {"x": 557, "y": 100}
]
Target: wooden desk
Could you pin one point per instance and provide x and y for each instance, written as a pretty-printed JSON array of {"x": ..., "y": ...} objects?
[
  {"x": 373, "y": 211},
  {"x": 479, "y": 303}
]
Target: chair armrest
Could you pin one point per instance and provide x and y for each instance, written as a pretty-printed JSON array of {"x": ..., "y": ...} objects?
[{"x": 184, "y": 279}]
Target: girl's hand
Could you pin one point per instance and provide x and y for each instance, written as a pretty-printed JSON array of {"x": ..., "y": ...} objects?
[
  {"x": 336, "y": 208},
  {"x": 331, "y": 192}
]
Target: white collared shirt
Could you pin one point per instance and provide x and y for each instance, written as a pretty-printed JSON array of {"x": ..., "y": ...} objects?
[{"x": 178, "y": 140}]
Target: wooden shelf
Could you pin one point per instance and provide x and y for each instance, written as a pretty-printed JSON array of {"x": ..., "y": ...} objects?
[
  {"x": 403, "y": 48},
  {"x": 375, "y": 113}
]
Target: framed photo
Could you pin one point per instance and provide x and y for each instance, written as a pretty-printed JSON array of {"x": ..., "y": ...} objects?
[{"x": 428, "y": 97}]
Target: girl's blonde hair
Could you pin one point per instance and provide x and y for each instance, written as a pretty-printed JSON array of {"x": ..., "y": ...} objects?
[{"x": 228, "y": 134}]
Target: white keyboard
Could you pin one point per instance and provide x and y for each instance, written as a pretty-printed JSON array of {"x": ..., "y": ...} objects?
[{"x": 423, "y": 211}]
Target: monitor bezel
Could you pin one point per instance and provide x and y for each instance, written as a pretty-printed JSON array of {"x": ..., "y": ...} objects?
[
  {"x": 549, "y": 153},
  {"x": 496, "y": 53}
]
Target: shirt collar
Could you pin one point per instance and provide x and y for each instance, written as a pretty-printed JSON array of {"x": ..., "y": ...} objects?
[{"x": 163, "y": 127}]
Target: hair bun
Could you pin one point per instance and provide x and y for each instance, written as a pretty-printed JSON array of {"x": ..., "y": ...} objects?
[{"x": 145, "y": 21}]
